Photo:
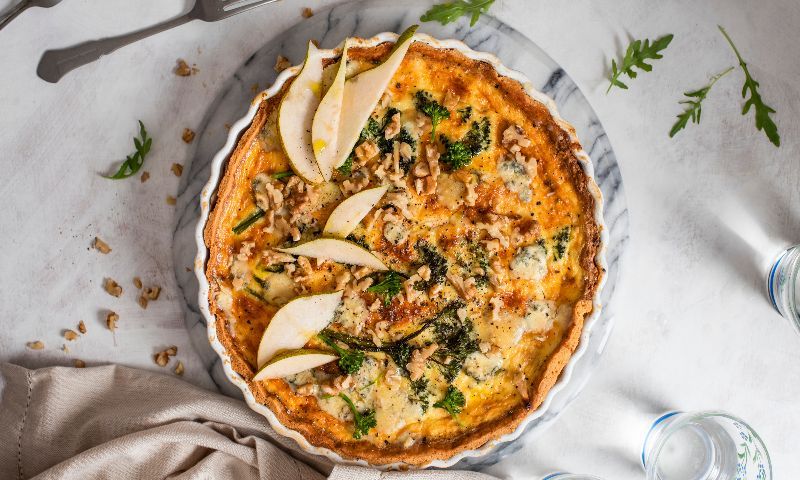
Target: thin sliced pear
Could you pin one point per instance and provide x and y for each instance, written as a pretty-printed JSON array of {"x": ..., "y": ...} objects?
[
  {"x": 363, "y": 92},
  {"x": 340, "y": 251},
  {"x": 347, "y": 215},
  {"x": 293, "y": 361},
  {"x": 325, "y": 128},
  {"x": 296, "y": 114},
  {"x": 296, "y": 322}
]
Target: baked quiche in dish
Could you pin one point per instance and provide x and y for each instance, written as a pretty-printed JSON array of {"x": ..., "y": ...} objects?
[{"x": 402, "y": 251}]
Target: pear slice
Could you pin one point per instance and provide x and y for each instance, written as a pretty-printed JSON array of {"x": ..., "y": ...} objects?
[
  {"x": 293, "y": 361},
  {"x": 340, "y": 251},
  {"x": 296, "y": 322},
  {"x": 325, "y": 126},
  {"x": 363, "y": 92},
  {"x": 347, "y": 215},
  {"x": 296, "y": 113}
]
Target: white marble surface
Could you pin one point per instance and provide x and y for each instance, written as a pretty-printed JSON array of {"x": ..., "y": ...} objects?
[{"x": 693, "y": 328}]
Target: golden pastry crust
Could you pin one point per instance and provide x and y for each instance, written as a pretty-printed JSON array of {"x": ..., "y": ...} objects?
[{"x": 570, "y": 199}]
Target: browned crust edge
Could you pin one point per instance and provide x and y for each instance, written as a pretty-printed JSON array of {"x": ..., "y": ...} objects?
[{"x": 420, "y": 454}]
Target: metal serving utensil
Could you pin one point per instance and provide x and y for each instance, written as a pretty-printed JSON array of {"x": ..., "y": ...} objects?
[
  {"x": 54, "y": 64},
  {"x": 24, "y": 5}
]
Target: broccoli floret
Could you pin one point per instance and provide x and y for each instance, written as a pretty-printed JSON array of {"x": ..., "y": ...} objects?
[
  {"x": 455, "y": 339},
  {"x": 478, "y": 137},
  {"x": 350, "y": 361},
  {"x": 456, "y": 154},
  {"x": 466, "y": 113},
  {"x": 460, "y": 153},
  {"x": 362, "y": 422},
  {"x": 371, "y": 130},
  {"x": 420, "y": 391},
  {"x": 346, "y": 168},
  {"x": 436, "y": 262},
  {"x": 433, "y": 109},
  {"x": 453, "y": 401},
  {"x": 390, "y": 286}
]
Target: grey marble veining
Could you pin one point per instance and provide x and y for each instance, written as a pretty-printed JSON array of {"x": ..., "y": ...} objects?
[{"x": 365, "y": 19}]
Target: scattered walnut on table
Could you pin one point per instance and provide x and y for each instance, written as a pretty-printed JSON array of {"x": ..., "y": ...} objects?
[
  {"x": 182, "y": 69},
  {"x": 307, "y": 12},
  {"x": 70, "y": 335},
  {"x": 37, "y": 345},
  {"x": 177, "y": 169},
  {"x": 179, "y": 368},
  {"x": 101, "y": 246},
  {"x": 171, "y": 200},
  {"x": 79, "y": 363},
  {"x": 281, "y": 64},
  {"x": 137, "y": 282},
  {"x": 145, "y": 176},
  {"x": 188, "y": 135},
  {"x": 111, "y": 321},
  {"x": 111, "y": 287},
  {"x": 161, "y": 359},
  {"x": 81, "y": 327}
]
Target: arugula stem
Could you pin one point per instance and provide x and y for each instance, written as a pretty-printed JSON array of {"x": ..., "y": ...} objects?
[{"x": 247, "y": 222}]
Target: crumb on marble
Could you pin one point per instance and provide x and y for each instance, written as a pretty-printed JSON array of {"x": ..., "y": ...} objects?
[
  {"x": 177, "y": 169},
  {"x": 70, "y": 335},
  {"x": 179, "y": 368},
  {"x": 307, "y": 12},
  {"x": 281, "y": 63},
  {"x": 81, "y": 327},
  {"x": 145, "y": 176},
  {"x": 188, "y": 135},
  {"x": 112, "y": 288},
  {"x": 171, "y": 200},
  {"x": 79, "y": 363},
  {"x": 161, "y": 359},
  {"x": 137, "y": 282},
  {"x": 101, "y": 246},
  {"x": 182, "y": 69},
  {"x": 111, "y": 321},
  {"x": 37, "y": 345},
  {"x": 152, "y": 293}
]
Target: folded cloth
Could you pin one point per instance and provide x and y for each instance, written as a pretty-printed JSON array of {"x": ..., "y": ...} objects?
[{"x": 114, "y": 422}]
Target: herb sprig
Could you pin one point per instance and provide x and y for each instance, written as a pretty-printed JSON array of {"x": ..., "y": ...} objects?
[
  {"x": 763, "y": 120},
  {"x": 635, "y": 56},
  {"x": 248, "y": 221},
  {"x": 362, "y": 422},
  {"x": 433, "y": 109},
  {"x": 134, "y": 162},
  {"x": 445, "y": 13},
  {"x": 390, "y": 286},
  {"x": 693, "y": 104}
]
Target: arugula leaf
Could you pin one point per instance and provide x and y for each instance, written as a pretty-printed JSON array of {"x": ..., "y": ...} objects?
[
  {"x": 445, "y": 13},
  {"x": 453, "y": 401},
  {"x": 694, "y": 109},
  {"x": 390, "y": 286},
  {"x": 346, "y": 168},
  {"x": 433, "y": 109},
  {"x": 350, "y": 361},
  {"x": 763, "y": 120},
  {"x": 280, "y": 175},
  {"x": 134, "y": 162},
  {"x": 248, "y": 221},
  {"x": 635, "y": 56},
  {"x": 362, "y": 422}
]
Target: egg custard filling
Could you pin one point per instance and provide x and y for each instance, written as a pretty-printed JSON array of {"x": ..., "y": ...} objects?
[{"x": 425, "y": 298}]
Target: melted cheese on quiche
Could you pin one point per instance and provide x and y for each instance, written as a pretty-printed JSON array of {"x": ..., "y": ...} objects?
[{"x": 483, "y": 225}]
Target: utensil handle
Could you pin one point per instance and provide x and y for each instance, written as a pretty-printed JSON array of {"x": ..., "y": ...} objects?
[
  {"x": 21, "y": 7},
  {"x": 54, "y": 64}
]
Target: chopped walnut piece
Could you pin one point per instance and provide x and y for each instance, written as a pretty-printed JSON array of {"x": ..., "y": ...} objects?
[
  {"x": 145, "y": 176},
  {"x": 367, "y": 151},
  {"x": 37, "y": 345},
  {"x": 179, "y": 368},
  {"x": 182, "y": 69},
  {"x": 151, "y": 293},
  {"x": 307, "y": 12},
  {"x": 70, "y": 335},
  {"x": 177, "y": 169},
  {"x": 188, "y": 135},
  {"x": 101, "y": 246},
  {"x": 81, "y": 327},
  {"x": 171, "y": 200},
  {"x": 79, "y": 363},
  {"x": 393, "y": 127},
  {"x": 137, "y": 282},
  {"x": 111, "y": 321},
  {"x": 172, "y": 351},
  {"x": 161, "y": 359},
  {"x": 142, "y": 301},
  {"x": 281, "y": 64},
  {"x": 112, "y": 287},
  {"x": 416, "y": 366}
]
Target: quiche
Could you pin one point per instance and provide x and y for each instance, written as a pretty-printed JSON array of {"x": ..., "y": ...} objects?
[{"x": 423, "y": 299}]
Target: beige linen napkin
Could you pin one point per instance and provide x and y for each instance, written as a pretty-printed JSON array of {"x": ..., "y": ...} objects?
[{"x": 114, "y": 422}]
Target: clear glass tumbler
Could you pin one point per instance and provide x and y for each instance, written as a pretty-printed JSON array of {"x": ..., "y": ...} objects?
[
  {"x": 570, "y": 476},
  {"x": 783, "y": 285},
  {"x": 704, "y": 446}
]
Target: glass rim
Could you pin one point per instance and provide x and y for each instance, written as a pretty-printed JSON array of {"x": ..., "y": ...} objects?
[
  {"x": 681, "y": 420},
  {"x": 570, "y": 476},
  {"x": 793, "y": 270}
]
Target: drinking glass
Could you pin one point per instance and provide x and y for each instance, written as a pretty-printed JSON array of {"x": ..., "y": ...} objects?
[
  {"x": 570, "y": 476},
  {"x": 704, "y": 446},
  {"x": 783, "y": 285}
]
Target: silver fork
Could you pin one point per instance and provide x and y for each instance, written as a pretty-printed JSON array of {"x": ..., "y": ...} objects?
[
  {"x": 54, "y": 64},
  {"x": 24, "y": 5}
]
